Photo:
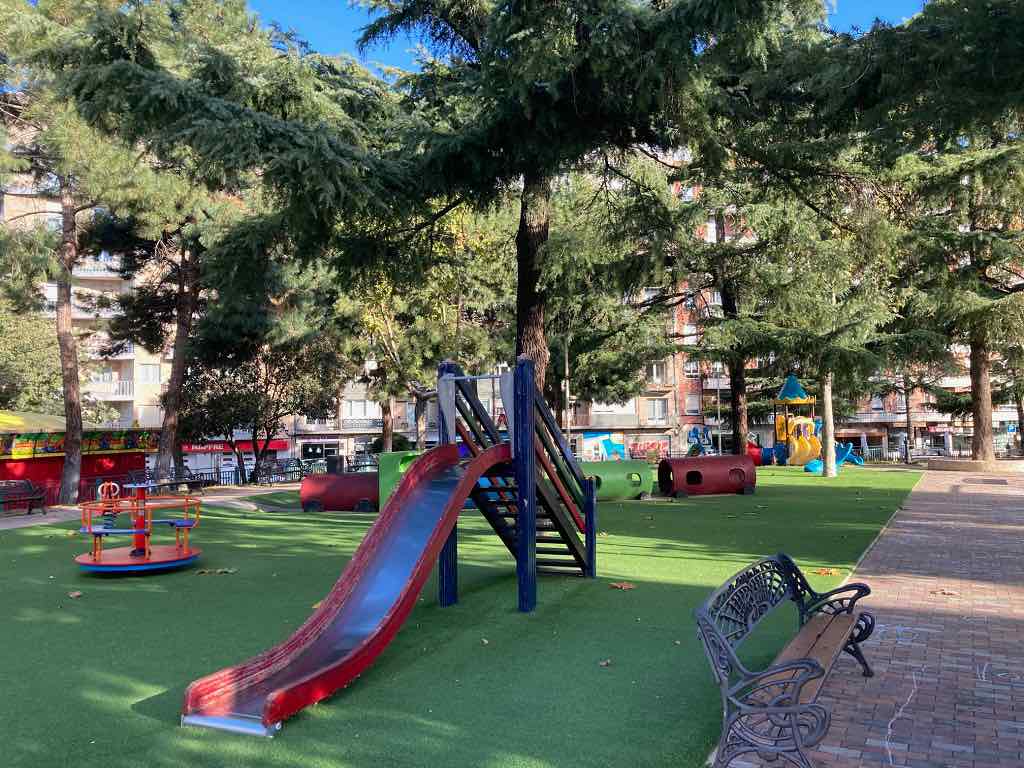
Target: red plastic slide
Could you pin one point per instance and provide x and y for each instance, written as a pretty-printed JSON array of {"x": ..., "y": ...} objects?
[{"x": 363, "y": 611}]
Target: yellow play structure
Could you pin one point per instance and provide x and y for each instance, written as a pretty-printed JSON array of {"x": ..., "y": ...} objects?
[
  {"x": 797, "y": 434},
  {"x": 796, "y": 439}
]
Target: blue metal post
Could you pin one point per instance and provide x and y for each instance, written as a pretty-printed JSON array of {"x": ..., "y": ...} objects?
[
  {"x": 448, "y": 559},
  {"x": 590, "y": 520},
  {"x": 526, "y": 489}
]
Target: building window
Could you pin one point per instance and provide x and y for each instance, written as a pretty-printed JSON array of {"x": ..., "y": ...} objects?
[
  {"x": 361, "y": 409},
  {"x": 149, "y": 373},
  {"x": 877, "y": 404},
  {"x": 657, "y": 372},
  {"x": 650, "y": 294},
  {"x": 901, "y": 403},
  {"x": 692, "y": 369},
  {"x": 690, "y": 334},
  {"x": 657, "y": 410},
  {"x": 693, "y": 405}
]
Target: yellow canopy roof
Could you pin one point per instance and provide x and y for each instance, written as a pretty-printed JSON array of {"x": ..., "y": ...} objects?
[{"x": 24, "y": 422}]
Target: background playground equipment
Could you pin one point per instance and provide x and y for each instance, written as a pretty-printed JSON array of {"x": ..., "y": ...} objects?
[
  {"x": 760, "y": 456},
  {"x": 619, "y": 480},
  {"x": 99, "y": 520},
  {"x": 535, "y": 498},
  {"x": 795, "y": 438},
  {"x": 706, "y": 475},
  {"x": 699, "y": 440},
  {"x": 844, "y": 453},
  {"x": 341, "y": 492},
  {"x": 390, "y": 468}
]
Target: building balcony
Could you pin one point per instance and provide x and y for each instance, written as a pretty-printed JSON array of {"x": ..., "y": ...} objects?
[
  {"x": 316, "y": 425},
  {"x": 715, "y": 382},
  {"x": 609, "y": 421},
  {"x": 123, "y": 389},
  {"x": 107, "y": 269},
  {"x": 361, "y": 425},
  {"x": 655, "y": 385},
  {"x": 98, "y": 342}
]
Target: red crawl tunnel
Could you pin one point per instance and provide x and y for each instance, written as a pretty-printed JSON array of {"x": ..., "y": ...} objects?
[
  {"x": 345, "y": 492},
  {"x": 706, "y": 475}
]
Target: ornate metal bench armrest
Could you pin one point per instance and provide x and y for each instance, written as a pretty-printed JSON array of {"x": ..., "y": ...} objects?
[
  {"x": 839, "y": 600},
  {"x": 777, "y": 686}
]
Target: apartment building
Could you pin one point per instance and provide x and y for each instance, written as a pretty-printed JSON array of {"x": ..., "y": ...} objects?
[
  {"x": 360, "y": 421},
  {"x": 130, "y": 382}
]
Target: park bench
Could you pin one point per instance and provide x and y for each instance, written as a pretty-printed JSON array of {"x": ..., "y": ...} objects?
[
  {"x": 774, "y": 712},
  {"x": 156, "y": 481},
  {"x": 15, "y": 494}
]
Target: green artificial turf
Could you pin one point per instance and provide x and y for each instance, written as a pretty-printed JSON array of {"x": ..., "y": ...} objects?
[
  {"x": 279, "y": 498},
  {"x": 98, "y": 680}
]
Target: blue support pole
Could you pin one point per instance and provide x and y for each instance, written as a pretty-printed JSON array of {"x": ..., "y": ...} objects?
[
  {"x": 526, "y": 489},
  {"x": 590, "y": 521},
  {"x": 448, "y": 559}
]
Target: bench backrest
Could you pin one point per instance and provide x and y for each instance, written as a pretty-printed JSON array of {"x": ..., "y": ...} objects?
[
  {"x": 738, "y": 606},
  {"x": 14, "y": 488}
]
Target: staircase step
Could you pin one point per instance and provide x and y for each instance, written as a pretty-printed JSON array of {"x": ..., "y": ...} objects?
[
  {"x": 549, "y": 563},
  {"x": 552, "y": 551}
]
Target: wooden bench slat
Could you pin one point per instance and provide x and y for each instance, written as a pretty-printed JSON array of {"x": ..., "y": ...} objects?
[{"x": 822, "y": 639}]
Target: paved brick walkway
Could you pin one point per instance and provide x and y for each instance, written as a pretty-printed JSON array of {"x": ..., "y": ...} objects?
[{"x": 947, "y": 578}]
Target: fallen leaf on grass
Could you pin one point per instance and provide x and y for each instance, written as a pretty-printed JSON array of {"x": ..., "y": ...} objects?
[
  {"x": 605, "y": 663},
  {"x": 317, "y": 604},
  {"x": 227, "y": 570},
  {"x": 484, "y": 641},
  {"x": 623, "y": 585},
  {"x": 74, "y": 595},
  {"x": 602, "y": 534},
  {"x": 215, "y": 572},
  {"x": 827, "y": 572}
]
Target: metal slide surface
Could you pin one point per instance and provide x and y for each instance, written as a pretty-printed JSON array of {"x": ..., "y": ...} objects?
[{"x": 361, "y": 614}]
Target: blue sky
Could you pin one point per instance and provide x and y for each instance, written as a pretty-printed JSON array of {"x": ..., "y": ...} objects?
[{"x": 332, "y": 26}]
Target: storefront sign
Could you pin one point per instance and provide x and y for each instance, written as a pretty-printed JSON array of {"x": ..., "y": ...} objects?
[{"x": 222, "y": 446}]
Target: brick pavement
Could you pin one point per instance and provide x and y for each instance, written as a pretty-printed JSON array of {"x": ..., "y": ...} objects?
[{"x": 947, "y": 580}]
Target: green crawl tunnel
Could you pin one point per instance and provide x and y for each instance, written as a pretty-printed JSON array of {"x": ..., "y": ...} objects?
[
  {"x": 390, "y": 468},
  {"x": 619, "y": 480}
]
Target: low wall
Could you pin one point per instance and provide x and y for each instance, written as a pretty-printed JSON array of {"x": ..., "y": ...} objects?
[{"x": 999, "y": 466}]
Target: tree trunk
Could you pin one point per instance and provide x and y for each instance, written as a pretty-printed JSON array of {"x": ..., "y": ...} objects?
[
  {"x": 828, "y": 428},
  {"x": 179, "y": 460},
  {"x": 531, "y": 239},
  {"x": 240, "y": 458},
  {"x": 907, "y": 392},
  {"x": 68, "y": 345},
  {"x": 253, "y": 432},
  {"x": 737, "y": 366},
  {"x": 1018, "y": 399},
  {"x": 388, "y": 427},
  {"x": 982, "y": 446},
  {"x": 420, "y": 412},
  {"x": 172, "y": 398},
  {"x": 738, "y": 406}
]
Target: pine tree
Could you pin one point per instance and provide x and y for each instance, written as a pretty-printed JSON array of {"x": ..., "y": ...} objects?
[
  {"x": 518, "y": 94},
  {"x": 71, "y": 164}
]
